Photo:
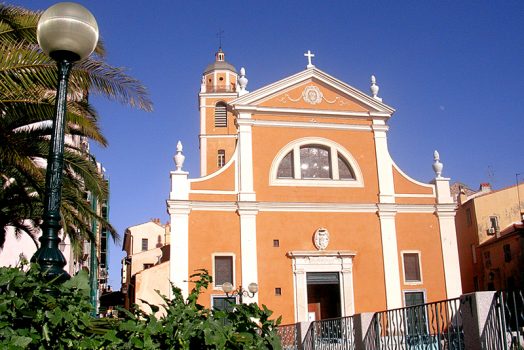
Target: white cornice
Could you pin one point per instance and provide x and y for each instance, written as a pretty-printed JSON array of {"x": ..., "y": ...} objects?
[
  {"x": 313, "y": 73},
  {"x": 217, "y": 136},
  {"x": 310, "y": 207},
  {"x": 324, "y": 253},
  {"x": 310, "y": 112}
]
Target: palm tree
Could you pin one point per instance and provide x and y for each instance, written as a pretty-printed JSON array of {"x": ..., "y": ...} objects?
[{"x": 27, "y": 99}]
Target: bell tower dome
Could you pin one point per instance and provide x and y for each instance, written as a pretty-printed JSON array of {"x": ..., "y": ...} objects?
[{"x": 218, "y": 132}]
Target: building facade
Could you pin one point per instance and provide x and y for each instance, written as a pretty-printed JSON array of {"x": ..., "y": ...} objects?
[
  {"x": 145, "y": 267},
  {"x": 298, "y": 193},
  {"x": 489, "y": 237}
]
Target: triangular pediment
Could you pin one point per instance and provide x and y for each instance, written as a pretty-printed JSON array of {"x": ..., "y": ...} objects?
[{"x": 314, "y": 90}]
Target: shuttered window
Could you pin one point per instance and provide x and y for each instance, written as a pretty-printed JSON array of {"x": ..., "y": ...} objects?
[
  {"x": 223, "y": 270},
  {"x": 220, "y": 115},
  {"x": 412, "y": 267}
]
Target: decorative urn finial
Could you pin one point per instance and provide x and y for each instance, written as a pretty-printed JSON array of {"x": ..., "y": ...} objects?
[
  {"x": 374, "y": 88},
  {"x": 437, "y": 165},
  {"x": 242, "y": 81},
  {"x": 179, "y": 157}
]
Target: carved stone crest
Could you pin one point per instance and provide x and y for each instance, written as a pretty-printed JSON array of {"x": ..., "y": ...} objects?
[
  {"x": 312, "y": 95},
  {"x": 321, "y": 238}
]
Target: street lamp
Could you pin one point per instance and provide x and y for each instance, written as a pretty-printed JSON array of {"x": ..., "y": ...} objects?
[
  {"x": 252, "y": 289},
  {"x": 67, "y": 32}
]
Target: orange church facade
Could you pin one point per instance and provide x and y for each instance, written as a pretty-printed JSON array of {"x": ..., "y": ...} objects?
[{"x": 298, "y": 193}]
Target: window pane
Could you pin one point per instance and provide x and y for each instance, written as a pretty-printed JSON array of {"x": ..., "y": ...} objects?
[
  {"x": 223, "y": 270},
  {"x": 285, "y": 169},
  {"x": 221, "y": 158},
  {"x": 411, "y": 267},
  {"x": 344, "y": 170},
  {"x": 314, "y": 162},
  {"x": 144, "y": 244}
]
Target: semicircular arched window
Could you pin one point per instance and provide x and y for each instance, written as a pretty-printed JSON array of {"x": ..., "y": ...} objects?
[{"x": 315, "y": 162}]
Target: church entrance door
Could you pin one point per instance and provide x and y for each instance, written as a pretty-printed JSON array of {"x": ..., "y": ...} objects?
[{"x": 323, "y": 295}]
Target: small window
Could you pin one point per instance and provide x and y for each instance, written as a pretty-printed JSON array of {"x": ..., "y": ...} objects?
[
  {"x": 221, "y": 158},
  {"x": 276, "y": 243},
  {"x": 473, "y": 254},
  {"x": 278, "y": 291},
  {"x": 223, "y": 303},
  {"x": 412, "y": 267},
  {"x": 147, "y": 266},
  {"x": 144, "y": 244},
  {"x": 220, "y": 115},
  {"x": 469, "y": 221},
  {"x": 487, "y": 259},
  {"x": 507, "y": 252},
  {"x": 223, "y": 270},
  {"x": 494, "y": 223}
]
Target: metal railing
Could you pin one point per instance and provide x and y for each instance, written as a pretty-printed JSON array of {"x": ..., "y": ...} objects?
[
  {"x": 432, "y": 326},
  {"x": 289, "y": 336},
  {"x": 335, "y": 333},
  {"x": 504, "y": 328}
]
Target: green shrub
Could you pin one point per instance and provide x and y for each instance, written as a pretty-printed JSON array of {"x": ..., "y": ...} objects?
[{"x": 35, "y": 314}]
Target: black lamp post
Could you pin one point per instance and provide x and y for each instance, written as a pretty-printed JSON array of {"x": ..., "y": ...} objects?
[
  {"x": 252, "y": 289},
  {"x": 67, "y": 32}
]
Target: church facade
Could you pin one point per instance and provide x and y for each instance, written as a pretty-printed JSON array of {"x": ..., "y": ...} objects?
[{"x": 298, "y": 194}]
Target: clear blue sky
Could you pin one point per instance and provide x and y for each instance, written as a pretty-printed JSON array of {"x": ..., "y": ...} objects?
[{"x": 453, "y": 70}]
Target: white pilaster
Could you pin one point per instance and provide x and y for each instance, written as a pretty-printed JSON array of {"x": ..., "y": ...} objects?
[
  {"x": 390, "y": 256},
  {"x": 450, "y": 257},
  {"x": 248, "y": 247},
  {"x": 384, "y": 163},
  {"x": 203, "y": 139},
  {"x": 178, "y": 209},
  {"x": 245, "y": 148}
]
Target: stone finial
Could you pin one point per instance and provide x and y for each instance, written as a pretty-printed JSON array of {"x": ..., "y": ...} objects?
[
  {"x": 242, "y": 81},
  {"x": 179, "y": 157},
  {"x": 374, "y": 88},
  {"x": 203, "y": 84},
  {"x": 437, "y": 165}
]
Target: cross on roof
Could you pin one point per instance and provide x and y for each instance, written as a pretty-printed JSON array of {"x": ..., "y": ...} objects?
[
  {"x": 309, "y": 55},
  {"x": 220, "y": 35}
]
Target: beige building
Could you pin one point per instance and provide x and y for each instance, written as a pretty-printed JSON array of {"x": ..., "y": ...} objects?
[
  {"x": 145, "y": 266},
  {"x": 489, "y": 237}
]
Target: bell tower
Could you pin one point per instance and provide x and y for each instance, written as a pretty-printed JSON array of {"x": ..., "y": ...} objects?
[{"x": 218, "y": 133}]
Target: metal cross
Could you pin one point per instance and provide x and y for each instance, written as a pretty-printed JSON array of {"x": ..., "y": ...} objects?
[
  {"x": 220, "y": 35},
  {"x": 309, "y": 55}
]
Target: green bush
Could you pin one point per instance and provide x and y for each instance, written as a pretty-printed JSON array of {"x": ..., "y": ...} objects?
[{"x": 35, "y": 314}]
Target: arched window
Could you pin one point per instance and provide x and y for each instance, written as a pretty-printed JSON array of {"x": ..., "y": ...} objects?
[
  {"x": 220, "y": 115},
  {"x": 315, "y": 162}
]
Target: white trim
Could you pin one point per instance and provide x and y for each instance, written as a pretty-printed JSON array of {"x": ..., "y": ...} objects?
[
  {"x": 310, "y": 112},
  {"x": 212, "y": 192},
  {"x": 311, "y": 124},
  {"x": 215, "y": 254},
  {"x": 450, "y": 257},
  {"x": 203, "y": 142},
  {"x": 386, "y": 183},
  {"x": 219, "y": 136},
  {"x": 245, "y": 155},
  {"x": 410, "y": 179},
  {"x": 218, "y": 172},
  {"x": 297, "y": 181},
  {"x": 308, "y": 75},
  {"x": 248, "y": 247},
  {"x": 419, "y": 260},
  {"x": 322, "y": 261},
  {"x": 304, "y": 207},
  {"x": 388, "y": 234}
]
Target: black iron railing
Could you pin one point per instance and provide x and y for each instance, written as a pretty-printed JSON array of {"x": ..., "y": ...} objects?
[
  {"x": 504, "y": 328},
  {"x": 289, "y": 336},
  {"x": 335, "y": 333},
  {"x": 435, "y": 325}
]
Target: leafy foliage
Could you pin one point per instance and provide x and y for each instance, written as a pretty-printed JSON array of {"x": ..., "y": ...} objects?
[{"x": 35, "y": 314}]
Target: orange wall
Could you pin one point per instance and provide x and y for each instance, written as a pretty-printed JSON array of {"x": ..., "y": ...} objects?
[
  {"x": 426, "y": 239},
  {"x": 269, "y": 141}
]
